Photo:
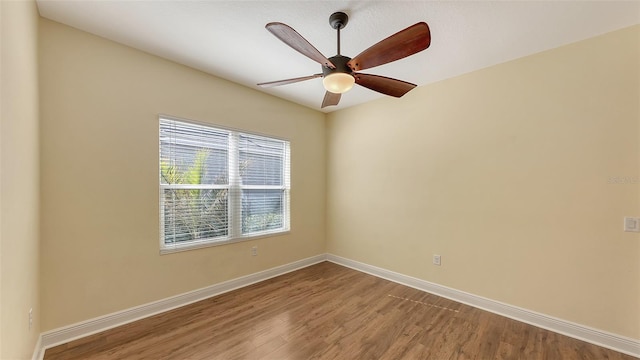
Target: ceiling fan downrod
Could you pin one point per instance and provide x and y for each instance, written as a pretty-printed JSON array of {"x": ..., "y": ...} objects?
[{"x": 338, "y": 20}]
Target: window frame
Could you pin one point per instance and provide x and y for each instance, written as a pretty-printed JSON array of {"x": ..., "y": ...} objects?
[{"x": 234, "y": 186}]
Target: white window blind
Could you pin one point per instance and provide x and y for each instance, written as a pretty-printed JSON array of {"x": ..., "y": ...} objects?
[
  {"x": 218, "y": 186},
  {"x": 264, "y": 174}
]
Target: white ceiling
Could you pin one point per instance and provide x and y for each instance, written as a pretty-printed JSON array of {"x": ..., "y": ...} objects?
[{"x": 228, "y": 38}]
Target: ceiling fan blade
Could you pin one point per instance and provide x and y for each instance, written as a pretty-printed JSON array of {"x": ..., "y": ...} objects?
[
  {"x": 384, "y": 85},
  {"x": 288, "y": 81},
  {"x": 291, "y": 37},
  {"x": 330, "y": 99},
  {"x": 407, "y": 42}
]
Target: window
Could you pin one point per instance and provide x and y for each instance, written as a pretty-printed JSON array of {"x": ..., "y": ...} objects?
[{"x": 219, "y": 186}]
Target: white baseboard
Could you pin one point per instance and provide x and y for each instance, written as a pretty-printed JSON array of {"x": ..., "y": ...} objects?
[
  {"x": 598, "y": 337},
  {"x": 38, "y": 352},
  {"x": 85, "y": 328}
]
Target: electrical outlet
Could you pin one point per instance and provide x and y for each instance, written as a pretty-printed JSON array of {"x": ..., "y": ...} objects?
[
  {"x": 30, "y": 318},
  {"x": 254, "y": 251},
  {"x": 631, "y": 224},
  {"x": 437, "y": 260}
]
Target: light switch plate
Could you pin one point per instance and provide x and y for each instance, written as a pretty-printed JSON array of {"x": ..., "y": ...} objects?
[{"x": 631, "y": 224}]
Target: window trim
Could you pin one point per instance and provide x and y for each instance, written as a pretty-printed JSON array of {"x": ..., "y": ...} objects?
[{"x": 235, "y": 226}]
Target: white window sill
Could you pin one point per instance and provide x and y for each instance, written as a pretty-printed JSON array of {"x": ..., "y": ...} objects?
[{"x": 209, "y": 243}]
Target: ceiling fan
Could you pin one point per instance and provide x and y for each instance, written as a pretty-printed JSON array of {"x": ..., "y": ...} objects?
[{"x": 339, "y": 72}]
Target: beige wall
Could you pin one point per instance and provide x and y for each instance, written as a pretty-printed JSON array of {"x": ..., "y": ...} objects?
[
  {"x": 505, "y": 172},
  {"x": 19, "y": 182},
  {"x": 100, "y": 230}
]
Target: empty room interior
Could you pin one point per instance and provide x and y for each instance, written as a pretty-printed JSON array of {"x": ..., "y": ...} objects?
[{"x": 484, "y": 205}]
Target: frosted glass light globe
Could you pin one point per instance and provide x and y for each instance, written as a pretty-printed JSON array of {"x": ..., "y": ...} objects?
[{"x": 338, "y": 82}]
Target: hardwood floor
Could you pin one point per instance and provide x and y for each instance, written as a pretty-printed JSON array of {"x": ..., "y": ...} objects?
[{"x": 327, "y": 311}]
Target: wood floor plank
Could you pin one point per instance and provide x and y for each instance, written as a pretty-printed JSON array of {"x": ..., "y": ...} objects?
[{"x": 327, "y": 311}]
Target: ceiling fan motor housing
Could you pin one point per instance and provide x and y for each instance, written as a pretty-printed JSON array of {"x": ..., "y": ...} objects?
[{"x": 341, "y": 65}]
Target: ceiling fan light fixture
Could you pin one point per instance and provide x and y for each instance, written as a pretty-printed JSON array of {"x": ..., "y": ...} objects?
[
  {"x": 338, "y": 83},
  {"x": 340, "y": 72}
]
